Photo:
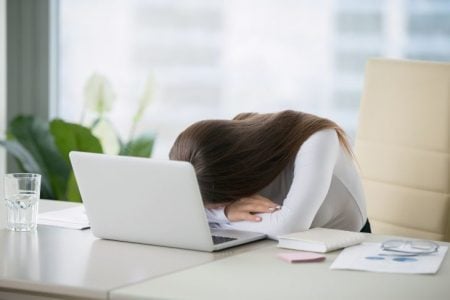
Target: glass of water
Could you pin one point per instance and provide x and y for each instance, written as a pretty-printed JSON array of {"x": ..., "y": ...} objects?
[{"x": 22, "y": 192}]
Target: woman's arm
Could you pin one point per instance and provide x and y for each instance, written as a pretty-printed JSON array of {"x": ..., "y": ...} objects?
[
  {"x": 216, "y": 215},
  {"x": 242, "y": 210},
  {"x": 313, "y": 172}
]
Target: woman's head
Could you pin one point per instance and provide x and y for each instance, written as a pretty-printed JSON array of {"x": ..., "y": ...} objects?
[{"x": 237, "y": 158}]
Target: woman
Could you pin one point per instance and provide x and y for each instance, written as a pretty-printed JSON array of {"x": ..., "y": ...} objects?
[{"x": 275, "y": 173}]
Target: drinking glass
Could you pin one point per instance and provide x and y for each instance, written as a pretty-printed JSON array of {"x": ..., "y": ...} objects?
[
  {"x": 22, "y": 192},
  {"x": 409, "y": 247}
]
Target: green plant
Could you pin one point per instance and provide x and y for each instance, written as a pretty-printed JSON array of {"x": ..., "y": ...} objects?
[{"x": 43, "y": 147}]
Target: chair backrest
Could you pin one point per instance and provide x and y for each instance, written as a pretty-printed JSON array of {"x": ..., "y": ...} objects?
[{"x": 402, "y": 146}]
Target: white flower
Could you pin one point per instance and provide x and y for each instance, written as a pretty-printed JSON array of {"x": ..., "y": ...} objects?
[
  {"x": 145, "y": 99},
  {"x": 98, "y": 94},
  {"x": 107, "y": 135}
]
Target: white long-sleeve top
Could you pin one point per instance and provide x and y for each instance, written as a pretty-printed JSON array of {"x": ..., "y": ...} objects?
[{"x": 321, "y": 188}]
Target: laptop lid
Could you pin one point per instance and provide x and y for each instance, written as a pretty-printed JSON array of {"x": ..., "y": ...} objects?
[
  {"x": 148, "y": 201},
  {"x": 142, "y": 200}
]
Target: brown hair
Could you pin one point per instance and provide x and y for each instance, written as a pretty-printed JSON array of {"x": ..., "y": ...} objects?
[{"x": 237, "y": 158}]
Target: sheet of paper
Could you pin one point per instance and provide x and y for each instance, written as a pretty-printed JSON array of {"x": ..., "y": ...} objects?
[
  {"x": 74, "y": 218},
  {"x": 365, "y": 257}
]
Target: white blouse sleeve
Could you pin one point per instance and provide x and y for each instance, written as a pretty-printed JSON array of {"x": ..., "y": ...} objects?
[
  {"x": 216, "y": 215},
  {"x": 313, "y": 171}
]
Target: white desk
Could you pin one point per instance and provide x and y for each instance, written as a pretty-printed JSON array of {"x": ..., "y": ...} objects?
[
  {"x": 58, "y": 263},
  {"x": 54, "y": 262},
  {"x": 260, "y": 275}
]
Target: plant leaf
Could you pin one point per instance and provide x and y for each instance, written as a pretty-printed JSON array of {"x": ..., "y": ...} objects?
[
  {"x": 27, "y": 164},
  {"x": 141, "y": 146},
  {"x": 34, "y": 135},
  {"x": 73, "y": 137},
  {"x": 73, "y": 193}
]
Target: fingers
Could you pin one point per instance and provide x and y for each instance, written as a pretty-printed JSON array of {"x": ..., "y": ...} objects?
[
  {"x": 258, "y": 208},
  {"x": 258, "y": 199},
  {"x": 258, "y": 204},
  {"x": 235, "y": 212},
  {"x": 250, "y": 217},
  {"x": 246, "y": 209}
]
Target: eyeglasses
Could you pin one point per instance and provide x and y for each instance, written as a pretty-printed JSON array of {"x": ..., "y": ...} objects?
[{"x": 409, "y": 248}]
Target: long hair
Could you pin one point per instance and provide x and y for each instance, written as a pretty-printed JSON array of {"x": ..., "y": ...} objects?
[{"x": 237, "y": 158}]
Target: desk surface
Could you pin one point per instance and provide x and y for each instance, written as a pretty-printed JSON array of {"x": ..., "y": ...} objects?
[
  {"x": 61, "y": 263},
  {"x": 55, "y": 261},
  {"x": 259, "y": 274}
]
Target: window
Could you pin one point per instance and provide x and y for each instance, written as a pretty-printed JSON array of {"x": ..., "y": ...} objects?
[
  {"x": 2, "y": 86},
  {"x": 216, "y": 58}
]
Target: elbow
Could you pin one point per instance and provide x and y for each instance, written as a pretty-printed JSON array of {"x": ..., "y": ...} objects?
[
  {"x": 282, "y": 224},
  {"x": 281, "y": 229}
]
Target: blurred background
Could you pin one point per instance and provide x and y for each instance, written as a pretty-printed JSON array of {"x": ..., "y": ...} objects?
[{"x": 214, "y": 58}]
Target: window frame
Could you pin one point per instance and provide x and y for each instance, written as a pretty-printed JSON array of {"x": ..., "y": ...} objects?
[{"x": 32, "y": 60}]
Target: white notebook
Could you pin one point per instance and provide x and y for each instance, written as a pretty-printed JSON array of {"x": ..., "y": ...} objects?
[{"x": 320, "y": 240}]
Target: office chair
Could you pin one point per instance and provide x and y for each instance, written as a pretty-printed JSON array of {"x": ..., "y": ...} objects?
[{"x": 403, "y": 146}]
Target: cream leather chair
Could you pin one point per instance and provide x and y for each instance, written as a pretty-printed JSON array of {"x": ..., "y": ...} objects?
[{"x": 403, "y": 146}]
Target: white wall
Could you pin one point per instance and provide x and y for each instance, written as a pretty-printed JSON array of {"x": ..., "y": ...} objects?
[{"x": 2, "y": 102}]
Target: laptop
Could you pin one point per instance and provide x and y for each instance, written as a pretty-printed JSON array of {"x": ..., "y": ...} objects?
[{"x": 143, "y": 200}]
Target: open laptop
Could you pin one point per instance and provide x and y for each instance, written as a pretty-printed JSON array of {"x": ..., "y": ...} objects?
[{"x": 148, "y": 201}]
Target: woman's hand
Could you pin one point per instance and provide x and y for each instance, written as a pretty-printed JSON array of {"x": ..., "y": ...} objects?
[{"x": 245, "y": 209}]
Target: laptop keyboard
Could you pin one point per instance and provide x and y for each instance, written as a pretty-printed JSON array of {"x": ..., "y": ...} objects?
[{"x": 221, "y": 239}]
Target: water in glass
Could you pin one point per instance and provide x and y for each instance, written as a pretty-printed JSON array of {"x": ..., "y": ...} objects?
[{"x": 22, "y": 211}]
